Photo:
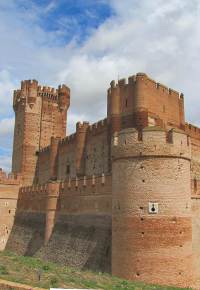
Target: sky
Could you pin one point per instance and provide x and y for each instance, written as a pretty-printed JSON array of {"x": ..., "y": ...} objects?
[{"x": 87, "y": 43}]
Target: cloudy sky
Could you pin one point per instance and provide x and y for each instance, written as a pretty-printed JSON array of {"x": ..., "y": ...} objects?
[{"x": 87, "y": 43}]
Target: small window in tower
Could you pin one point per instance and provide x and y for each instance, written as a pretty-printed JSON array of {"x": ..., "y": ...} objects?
[
  {"x": 195, "y": 185},
  {"x": 126, "y": 102},
  {"x": 68, "y": 169}
]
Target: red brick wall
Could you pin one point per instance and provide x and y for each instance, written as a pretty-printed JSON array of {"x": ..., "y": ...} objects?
[{"x": 155, "y": 248}]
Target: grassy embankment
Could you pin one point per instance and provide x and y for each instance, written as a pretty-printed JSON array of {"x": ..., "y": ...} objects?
[{"x": 26, "y": 270}]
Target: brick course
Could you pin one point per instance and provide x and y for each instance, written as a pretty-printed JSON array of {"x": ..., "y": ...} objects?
[{"x": 142, "y": 152}]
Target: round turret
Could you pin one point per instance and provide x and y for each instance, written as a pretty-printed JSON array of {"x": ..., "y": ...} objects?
[
  {"x": 114, "y": 107},
  {"x": 53, "y": 158},
  {"x": 29, "y": 90},
  {"x": 64, "y": 97},
  {"x": 81, "y": 133},
  {"x": 151, "y": 212}
]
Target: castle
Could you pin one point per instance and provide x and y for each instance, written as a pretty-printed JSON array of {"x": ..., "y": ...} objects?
[{"x": 121, "y": 195}]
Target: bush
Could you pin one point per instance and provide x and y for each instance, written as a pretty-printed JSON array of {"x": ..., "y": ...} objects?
[
  {"x": 46, "y": 268},
  {"x": 3, "y": 270},
  {"x": 54, "y": 282}
]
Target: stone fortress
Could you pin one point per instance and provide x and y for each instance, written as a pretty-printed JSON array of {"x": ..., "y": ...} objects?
[{"x": 121, "y": 195}]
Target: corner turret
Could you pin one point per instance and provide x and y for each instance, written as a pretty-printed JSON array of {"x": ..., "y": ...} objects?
[
  {"x": 114, "y": 107},
  {"x": 63, "y": 97}
]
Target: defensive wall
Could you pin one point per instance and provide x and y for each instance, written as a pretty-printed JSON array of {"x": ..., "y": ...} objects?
[
  {"x": 86, "y": 152},
  {"x": 86, "y": 199},
  {"x": 67, "y": 222},
  {"x": 9, "y": 188}
]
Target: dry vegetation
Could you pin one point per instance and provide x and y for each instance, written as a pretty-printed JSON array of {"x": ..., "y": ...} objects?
[{"x": 34, "y": 272}]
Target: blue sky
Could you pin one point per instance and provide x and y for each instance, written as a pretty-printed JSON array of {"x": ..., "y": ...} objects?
[
  {"x": 87, "y": 43},
  {"x": 68, "y": 18}
]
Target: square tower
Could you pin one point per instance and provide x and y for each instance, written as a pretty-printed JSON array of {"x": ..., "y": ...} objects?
[{"x": 40, "y": 113}]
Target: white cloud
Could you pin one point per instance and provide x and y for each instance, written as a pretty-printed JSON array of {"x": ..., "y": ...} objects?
[
  {"x": 6, "y": 127},
  {"x": 158, "y": 37},
  {"x": 5, "y": 162},
  {"x": 6, "y": 88}
]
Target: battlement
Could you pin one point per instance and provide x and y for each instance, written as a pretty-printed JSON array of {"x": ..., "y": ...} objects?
[
  {"x": 192, "y": 130},
  {"x": 48, "y": 90},
  {"x": 68, "y": 139},
  {"x": 36, "y": 189},
  {"x": 10, "y": 178},
  {"x": 30, "y": 89},
  {"x": 82, "y": 125},
  {"x": 70, "y": 183},
  {"x": 152, "y": 141},
  {"x": 142, "y": 77},
  {"x": 91, "y": 129},
  {"x": 48, "y": 93},
  {"x": 86, "y": 181},
  {"x": 26, "y": 84},
  {"x": 98, "y": 127},
  {"x": 44, "y": 149},
  {"x": 63, "y": 89}
]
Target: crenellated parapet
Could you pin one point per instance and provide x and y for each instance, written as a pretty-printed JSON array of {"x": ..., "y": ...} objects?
[
  {"x": 142, "y": 78},
  {"x": 31, "y": 90},
  {"x": 86, "y": 182},
  {"x": 26, "y": 95},
  {"x": 63, "y": 97},
  {"x": 44, "y": 150},
  {"x": 9, "y": 179},
  {"x": 152, "y": 141},
  {"x": 68, "y": 139},
  {"x": 134, "y": 103},
  {"x": 98, "y": 127},
  {"x": 86, "y": 127},
  {"x": 32, "y": 198},
  {"x": 192, "y": 130}
]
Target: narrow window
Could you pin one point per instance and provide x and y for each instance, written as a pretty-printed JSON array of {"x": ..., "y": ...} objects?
[
  {"x": 126, "y": 102},
  {"x": 68, "y": 169},
  {"x": 195, "y": 185}
]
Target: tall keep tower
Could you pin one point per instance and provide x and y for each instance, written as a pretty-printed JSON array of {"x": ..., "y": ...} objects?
[
  {"x": 40, "y": 113},
  {"x": 151, "y": 226}
]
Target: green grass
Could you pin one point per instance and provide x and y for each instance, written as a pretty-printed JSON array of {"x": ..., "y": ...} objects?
[{"x": 26, "y": 270}]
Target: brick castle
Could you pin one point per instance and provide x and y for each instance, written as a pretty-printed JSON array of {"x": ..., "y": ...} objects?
[{"x": 121, "y": 195}]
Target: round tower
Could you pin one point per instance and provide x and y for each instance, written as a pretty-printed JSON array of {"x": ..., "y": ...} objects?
[
  {"x": 64, "y": 97},
  {"x": 151, "y": 213},
  {"x": 141, "y": 93},
  {"x": 114, "y": 107},
  {"x": 51, "y": 208},
  {"x": 81, "y": 133},
  {"x": 53, "y": 158}
]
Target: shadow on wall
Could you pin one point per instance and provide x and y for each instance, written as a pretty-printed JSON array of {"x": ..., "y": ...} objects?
[
  {"x": 35, "y": 243},
  {"x": 82, "y": 241}
]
